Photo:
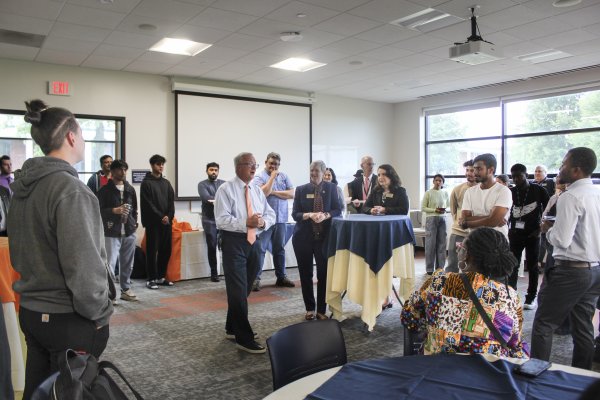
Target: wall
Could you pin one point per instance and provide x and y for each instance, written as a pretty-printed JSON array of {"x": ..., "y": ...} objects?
[
  {"x": 362, "y": 127},
  {"x": 409, "y": 136}
]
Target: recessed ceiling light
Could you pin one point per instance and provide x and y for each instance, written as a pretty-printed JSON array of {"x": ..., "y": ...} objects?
[
  {"x": 565, "y": 3},
  {"x": 179, "y": 46},
  {"x": 300, "y": 15},
  {"x": 543, "y": 56},
  {"x": 147, "y": 27},
  {"x": 355, "y": 62},
  {"x": 298, "y": 64}
]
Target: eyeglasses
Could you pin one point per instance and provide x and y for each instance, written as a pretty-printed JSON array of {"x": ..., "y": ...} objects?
[
  {"x": 370, "y": 163},
  {"x": 246, "y": 164}
]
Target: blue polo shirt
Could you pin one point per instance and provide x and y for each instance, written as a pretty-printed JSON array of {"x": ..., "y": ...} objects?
[{"x": 282, "y": 182}]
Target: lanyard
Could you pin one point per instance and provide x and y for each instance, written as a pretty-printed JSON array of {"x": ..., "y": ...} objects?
[{"x": 524, "y": 199}]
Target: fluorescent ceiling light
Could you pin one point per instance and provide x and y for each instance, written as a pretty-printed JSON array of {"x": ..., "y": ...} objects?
[
  {"x": 298, "y": 64},
  {"x": 543, "y": 56},
  {"x": 566, "y": 3},
  {"x": 179, "y": 46},
  {"x": 427, "y": 20}
]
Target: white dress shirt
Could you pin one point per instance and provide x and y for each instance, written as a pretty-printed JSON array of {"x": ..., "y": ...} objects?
[
  {"x": 230, "y": 206},
  {"x": 576, "y": 231}
]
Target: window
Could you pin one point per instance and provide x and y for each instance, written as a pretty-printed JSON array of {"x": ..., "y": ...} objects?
[
  {"x": 103, "y": 135},
  {"x": 535, "y": 131}
]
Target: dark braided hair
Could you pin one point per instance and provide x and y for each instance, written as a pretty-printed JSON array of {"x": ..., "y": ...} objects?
[
  {"x": 49, "y": 125},
  {"x": 489, "y": 254}
]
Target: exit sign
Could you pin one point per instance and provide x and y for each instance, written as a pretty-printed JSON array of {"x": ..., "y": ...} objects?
[{"x": 59, "y": 88}]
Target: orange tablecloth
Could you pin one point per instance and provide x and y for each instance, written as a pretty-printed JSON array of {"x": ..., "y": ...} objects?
[
  {"x": 174, "y": 266},
  {"x": 7, "y": 275}
]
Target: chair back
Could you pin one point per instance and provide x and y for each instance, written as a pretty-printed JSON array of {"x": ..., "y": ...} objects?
[
  {"x": 42, "y": 392},
  {"x": 305, "y": 348}
]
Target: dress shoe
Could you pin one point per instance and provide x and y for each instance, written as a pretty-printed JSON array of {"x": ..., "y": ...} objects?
[
  {"x": 284, "y": 282},
  {"x": 387, "y": 304},
  {"x": 215, "y": 278},
  {"x": 231, "y": 335},
  {"x": 309, "y": 316},
  {"x": 252, "y": 348},
  {"x": 256, "y": 286},
  {"x": 321, "y": 316}
]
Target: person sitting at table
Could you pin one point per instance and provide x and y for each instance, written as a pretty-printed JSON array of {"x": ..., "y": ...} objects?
[
  {"x": 388, "y": 197},
  {"x": 329, "y": 176},
  {"x": 443, "y": 308},
  {"x": 315, "y": 203}
]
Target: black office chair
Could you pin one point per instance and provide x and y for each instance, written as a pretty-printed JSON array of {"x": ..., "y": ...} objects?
[
  {"x": 414, "y": 342},
  {"x": 43, "y": 391},
  {"x": 305, "y": 348}
]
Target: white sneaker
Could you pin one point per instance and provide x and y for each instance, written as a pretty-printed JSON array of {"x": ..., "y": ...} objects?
[
  {"x": 531, "y": 305},
  {"x": 128, "y": 295},
  {"x": 115, "y": 302}
]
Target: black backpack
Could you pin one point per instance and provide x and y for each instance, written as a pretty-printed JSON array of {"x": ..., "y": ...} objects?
[{"x": 82, "y": 377}]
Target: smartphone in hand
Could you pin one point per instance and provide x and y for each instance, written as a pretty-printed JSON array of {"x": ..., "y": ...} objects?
[{"x": 532, "y": 368}]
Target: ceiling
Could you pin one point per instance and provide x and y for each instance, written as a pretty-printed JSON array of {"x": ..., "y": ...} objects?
[{"x": 366, "y": 56}]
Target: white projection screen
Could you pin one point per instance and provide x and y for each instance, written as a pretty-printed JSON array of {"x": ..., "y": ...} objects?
[{"x": 216, "y": 128}]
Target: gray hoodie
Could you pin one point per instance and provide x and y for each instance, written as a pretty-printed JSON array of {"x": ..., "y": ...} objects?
[{"x": 57, "y": 242}]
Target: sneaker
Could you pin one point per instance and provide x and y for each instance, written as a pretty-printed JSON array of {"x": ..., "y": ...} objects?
[
  {"x": 128, "y": 295},
  {"x": 151, "y": 285},
  {"x": 231, "y": 335},
  {"x": 215, "y": 278},
  {"x": 164, "y": 282},
  {"x": 284, "y": 282},
  {"x": 252, "y": 348},
  {"x": 530, "y": 305},
  {"x": 256, "y": 286},
  {"x": 115, "y": 302}
]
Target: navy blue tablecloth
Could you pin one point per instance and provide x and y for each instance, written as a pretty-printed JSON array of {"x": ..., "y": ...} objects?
[
  {"x": 446, "y": 377},
  {"x": 373, "y": 238}
]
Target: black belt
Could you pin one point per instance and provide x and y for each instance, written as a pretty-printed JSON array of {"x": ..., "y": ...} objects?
[
  {"x": 576, "y": 264},
  {"x": 235, "y": 234}
]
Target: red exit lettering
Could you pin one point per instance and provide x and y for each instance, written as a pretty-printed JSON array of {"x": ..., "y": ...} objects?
[{"x": 58, "y": 88}]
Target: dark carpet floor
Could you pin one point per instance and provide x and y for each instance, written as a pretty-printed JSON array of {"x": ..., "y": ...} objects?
[{"x": 171, "y": 344}]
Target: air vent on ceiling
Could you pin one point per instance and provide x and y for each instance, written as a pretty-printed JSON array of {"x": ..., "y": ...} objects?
[
  {"x": 21, "y": 38},
  {"x": 427, "y": 20}
]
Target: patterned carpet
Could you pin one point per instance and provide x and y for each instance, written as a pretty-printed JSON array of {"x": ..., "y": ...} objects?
[{"x": 171, "y": 343}]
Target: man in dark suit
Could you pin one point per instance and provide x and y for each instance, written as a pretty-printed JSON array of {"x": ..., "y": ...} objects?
[
  {"x": 314, "y": 205},
  {"x": 360, "y": 188}
]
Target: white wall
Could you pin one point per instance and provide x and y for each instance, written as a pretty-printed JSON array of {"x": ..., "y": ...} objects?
[
  {"x": 409, "y": 136},
  {"x": 147, "y": 104}
]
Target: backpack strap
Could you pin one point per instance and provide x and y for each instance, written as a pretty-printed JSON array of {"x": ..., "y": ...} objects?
[
  {"x": 108, "y": 365},
  {"x": 482, "y": 312}
]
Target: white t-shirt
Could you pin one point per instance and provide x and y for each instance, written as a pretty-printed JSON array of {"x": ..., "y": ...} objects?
[
  {"x": 122, "y": 190},
  {"x": 481, "y": 202}
]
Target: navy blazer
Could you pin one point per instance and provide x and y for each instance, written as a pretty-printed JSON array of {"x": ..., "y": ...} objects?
[
  {"x": 304, "y": 202},
  {"x": 396, "y": 203}
]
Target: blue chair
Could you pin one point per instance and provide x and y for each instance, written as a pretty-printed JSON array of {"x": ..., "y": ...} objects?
[{"x": 305, "y": 348}]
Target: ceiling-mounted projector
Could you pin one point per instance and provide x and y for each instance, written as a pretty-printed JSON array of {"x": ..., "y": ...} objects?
[
  {"x": 474, "y": 53},
  {"x": 475, "y": 50}
]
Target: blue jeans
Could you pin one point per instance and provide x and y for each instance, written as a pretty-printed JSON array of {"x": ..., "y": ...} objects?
[
  {"x": 567, "y": 292},
  {"x": 435, "y": 243},
  {"x": 275, "y": 235},
  {"x": 453, "y": 253},
  {"x": 123, "y": 250}
]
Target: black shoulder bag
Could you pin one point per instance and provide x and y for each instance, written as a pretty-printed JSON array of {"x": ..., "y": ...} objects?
[{"x": 482, "y": 312}]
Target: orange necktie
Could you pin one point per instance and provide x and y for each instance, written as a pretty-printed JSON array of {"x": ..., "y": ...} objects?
[{"x": 251, "y": 235}]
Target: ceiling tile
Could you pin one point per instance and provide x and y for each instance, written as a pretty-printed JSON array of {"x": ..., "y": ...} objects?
[
  {"x": 313, "y": 14},
  {"x": 130, "y": 39},
  {"x": 566, "y": 38},
  {"x": 461, "y": 8},
  {"x": 421, "y": 43},
  {"x": 60, "y": 57},
  {"x": 132, "y": 22},
  {"x": 387, "y": 34},
  {"x": 222, "y": 19},
  {"x": 221, "y": 53},
  {"x": 270, "y": 28},
  {"x": 416, "y": 60},
  {"x": 168, "y": 9},
  {"x": 221, "y": 74},
  {"x": 258, "y": 8},
  {"x": 386, "y": 10},
  {"x": 69, "y": 44},
  {"x": 120, "y": 6},
  {"x": 582, "y": 17},
  {"x": 18, "y": 52},
  {"x": 351, "y": 46},
  {"x": 582, "y": 48},
  {"x": 31, "y": 8},
  {"x": 20, "y": 23},
  {"x": 107, "y": 50},
  {"x": 102, "y": 62},
  {"x": 90, "y": 16},
  {"x": 510, "y": 17},
  {"x": 347, "y": 24},
  {"x": 245, "y": 42},
  {"x": 524, "y": 47},
  {"x": 146, "y": 67},
  {"x": 200, "y": 34},
  {"x": 338, "y": 5},
  {"x": 538, "y": 29},
  {"x": 73, "y": 31},
  {"x": 242, "y": 68},
  {"x": 163, "y": 58},
  {"x": 387, "y": 53}
]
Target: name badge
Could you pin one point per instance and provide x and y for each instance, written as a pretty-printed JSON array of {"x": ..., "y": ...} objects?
[
  {"x": 389, "y": 196},
  {"x": 310, "y": 196},
  {"x": 520, "y": 225}
]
